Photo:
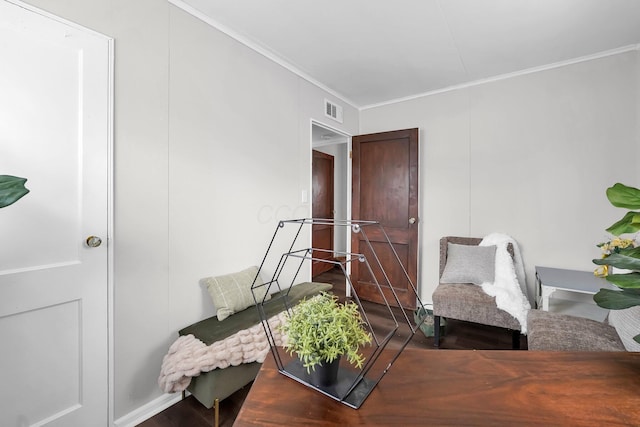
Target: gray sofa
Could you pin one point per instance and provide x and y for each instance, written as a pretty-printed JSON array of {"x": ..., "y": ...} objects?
[{"x": 560, "y": 332}]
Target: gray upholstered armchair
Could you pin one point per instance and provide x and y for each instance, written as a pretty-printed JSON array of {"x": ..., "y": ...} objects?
[{"x": 466, "y": 301}]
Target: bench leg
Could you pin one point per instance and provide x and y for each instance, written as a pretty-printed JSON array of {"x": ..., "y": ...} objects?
[
  {"x": 216, "y": 413},
  {"x": 515, "y": 340},
  {"x": 436, "y": 331}
]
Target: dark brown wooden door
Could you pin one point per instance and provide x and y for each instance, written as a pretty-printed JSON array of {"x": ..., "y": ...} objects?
[
  {"x": 385, "y": 189},
  {"x": 322, "y": 207}
]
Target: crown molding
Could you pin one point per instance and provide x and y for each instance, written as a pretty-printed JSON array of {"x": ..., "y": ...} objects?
[
  {"x": 181, "y": 4},
  {"x": 259, "y": 49},
  {"x": 554, "y": 65}
]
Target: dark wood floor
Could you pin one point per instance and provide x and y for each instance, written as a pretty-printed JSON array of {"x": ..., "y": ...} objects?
[{"x": 459, "y": 335}]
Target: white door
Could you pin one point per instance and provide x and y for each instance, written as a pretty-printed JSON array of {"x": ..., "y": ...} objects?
[{"x": 54, "y": 131}]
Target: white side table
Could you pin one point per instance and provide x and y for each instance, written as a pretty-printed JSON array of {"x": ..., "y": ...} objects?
[{"x": 549, "y": 280}]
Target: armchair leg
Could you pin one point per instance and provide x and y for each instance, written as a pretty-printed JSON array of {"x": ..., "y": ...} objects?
[
  {"x": 515, "y": 340},
  {"x": 436, "y": 331}
]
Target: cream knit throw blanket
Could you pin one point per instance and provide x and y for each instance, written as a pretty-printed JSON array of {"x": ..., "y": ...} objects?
[
  {"x": 509, "y": 282},
  {"x": 188, "y": 356}
]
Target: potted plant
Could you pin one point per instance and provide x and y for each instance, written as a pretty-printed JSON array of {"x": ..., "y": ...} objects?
[
  {"x": 622, "y": 256},
  {"x": 320, "y": 330},
  {"x": 11, "y": 189}
]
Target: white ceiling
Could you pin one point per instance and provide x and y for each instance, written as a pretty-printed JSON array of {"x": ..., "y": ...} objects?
[{"x": 373, "y": 51}]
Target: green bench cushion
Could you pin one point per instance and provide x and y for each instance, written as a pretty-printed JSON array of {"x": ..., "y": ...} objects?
[{"x": 211, "y": 330}]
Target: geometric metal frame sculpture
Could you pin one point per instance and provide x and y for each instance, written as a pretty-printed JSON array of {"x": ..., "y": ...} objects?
[{"x": 353, "y": 385}]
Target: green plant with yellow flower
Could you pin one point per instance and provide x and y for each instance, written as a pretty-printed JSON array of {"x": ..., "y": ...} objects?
[
  {"x": 613, "y": 246},
  {"x": 627, "y": 258}
]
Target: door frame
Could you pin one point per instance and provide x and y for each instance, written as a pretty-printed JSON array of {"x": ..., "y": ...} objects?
[
  {"x": 348, "y": 172},
  {"x": 110, "y": 195}
]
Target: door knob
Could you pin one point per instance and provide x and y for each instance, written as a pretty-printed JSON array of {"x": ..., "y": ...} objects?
[
  {"x": 93, "y": 241},
  {"x": 412, "y": 220}
]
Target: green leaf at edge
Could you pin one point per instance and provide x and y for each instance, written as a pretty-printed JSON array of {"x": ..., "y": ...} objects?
[
  {"x": 12, "y": 189},
  {"x": 623, "y": 196},
  {"x": 631, "y": 251},
  {"x": 616, "y": 300},
  {"x": 625, "y": 281},
  {"x": 619, "y": 261},
  {"x": 630, "y": 223}
]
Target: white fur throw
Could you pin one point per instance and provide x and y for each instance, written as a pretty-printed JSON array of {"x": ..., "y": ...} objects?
[
  {"x": 188, "y": 356},
  {"x": 509, "y": 283}
]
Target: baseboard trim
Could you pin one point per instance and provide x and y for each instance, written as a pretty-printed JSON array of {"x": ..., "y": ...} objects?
[{"x": 148, "y": 410}]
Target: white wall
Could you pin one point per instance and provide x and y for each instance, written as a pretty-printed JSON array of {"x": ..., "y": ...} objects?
[
  {"x": 239, "y": 159},
  {"x": 530, "y": 156},
  {"x": 212, "y": 147}
]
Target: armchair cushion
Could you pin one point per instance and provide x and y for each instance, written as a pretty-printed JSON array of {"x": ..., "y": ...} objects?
[
  {"x": 562, "y": 332},
  {"x": 466, "y": 302},
  {"x": 469, "y": 264}
]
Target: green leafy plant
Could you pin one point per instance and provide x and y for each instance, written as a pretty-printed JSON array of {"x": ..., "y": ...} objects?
[
  {"x": 321, "y": 329},
  {"x": 627, "y": 258},
  {"x": 12, "y": 189}
]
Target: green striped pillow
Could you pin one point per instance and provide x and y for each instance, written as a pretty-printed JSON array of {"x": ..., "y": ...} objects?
[{"x": 231, "y": 293}]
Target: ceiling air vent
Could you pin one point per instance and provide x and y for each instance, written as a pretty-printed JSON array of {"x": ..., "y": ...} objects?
[{"x": 333, "y": 110}]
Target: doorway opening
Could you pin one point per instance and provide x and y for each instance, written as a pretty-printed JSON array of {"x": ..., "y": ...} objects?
[{"x": 331, "y": 190}]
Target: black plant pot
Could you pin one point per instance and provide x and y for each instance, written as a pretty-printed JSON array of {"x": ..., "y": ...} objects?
[{"x": 325, "y": 375}]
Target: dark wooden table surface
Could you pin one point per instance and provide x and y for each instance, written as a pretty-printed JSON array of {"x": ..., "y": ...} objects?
[{"x": 465, "y": 388}]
